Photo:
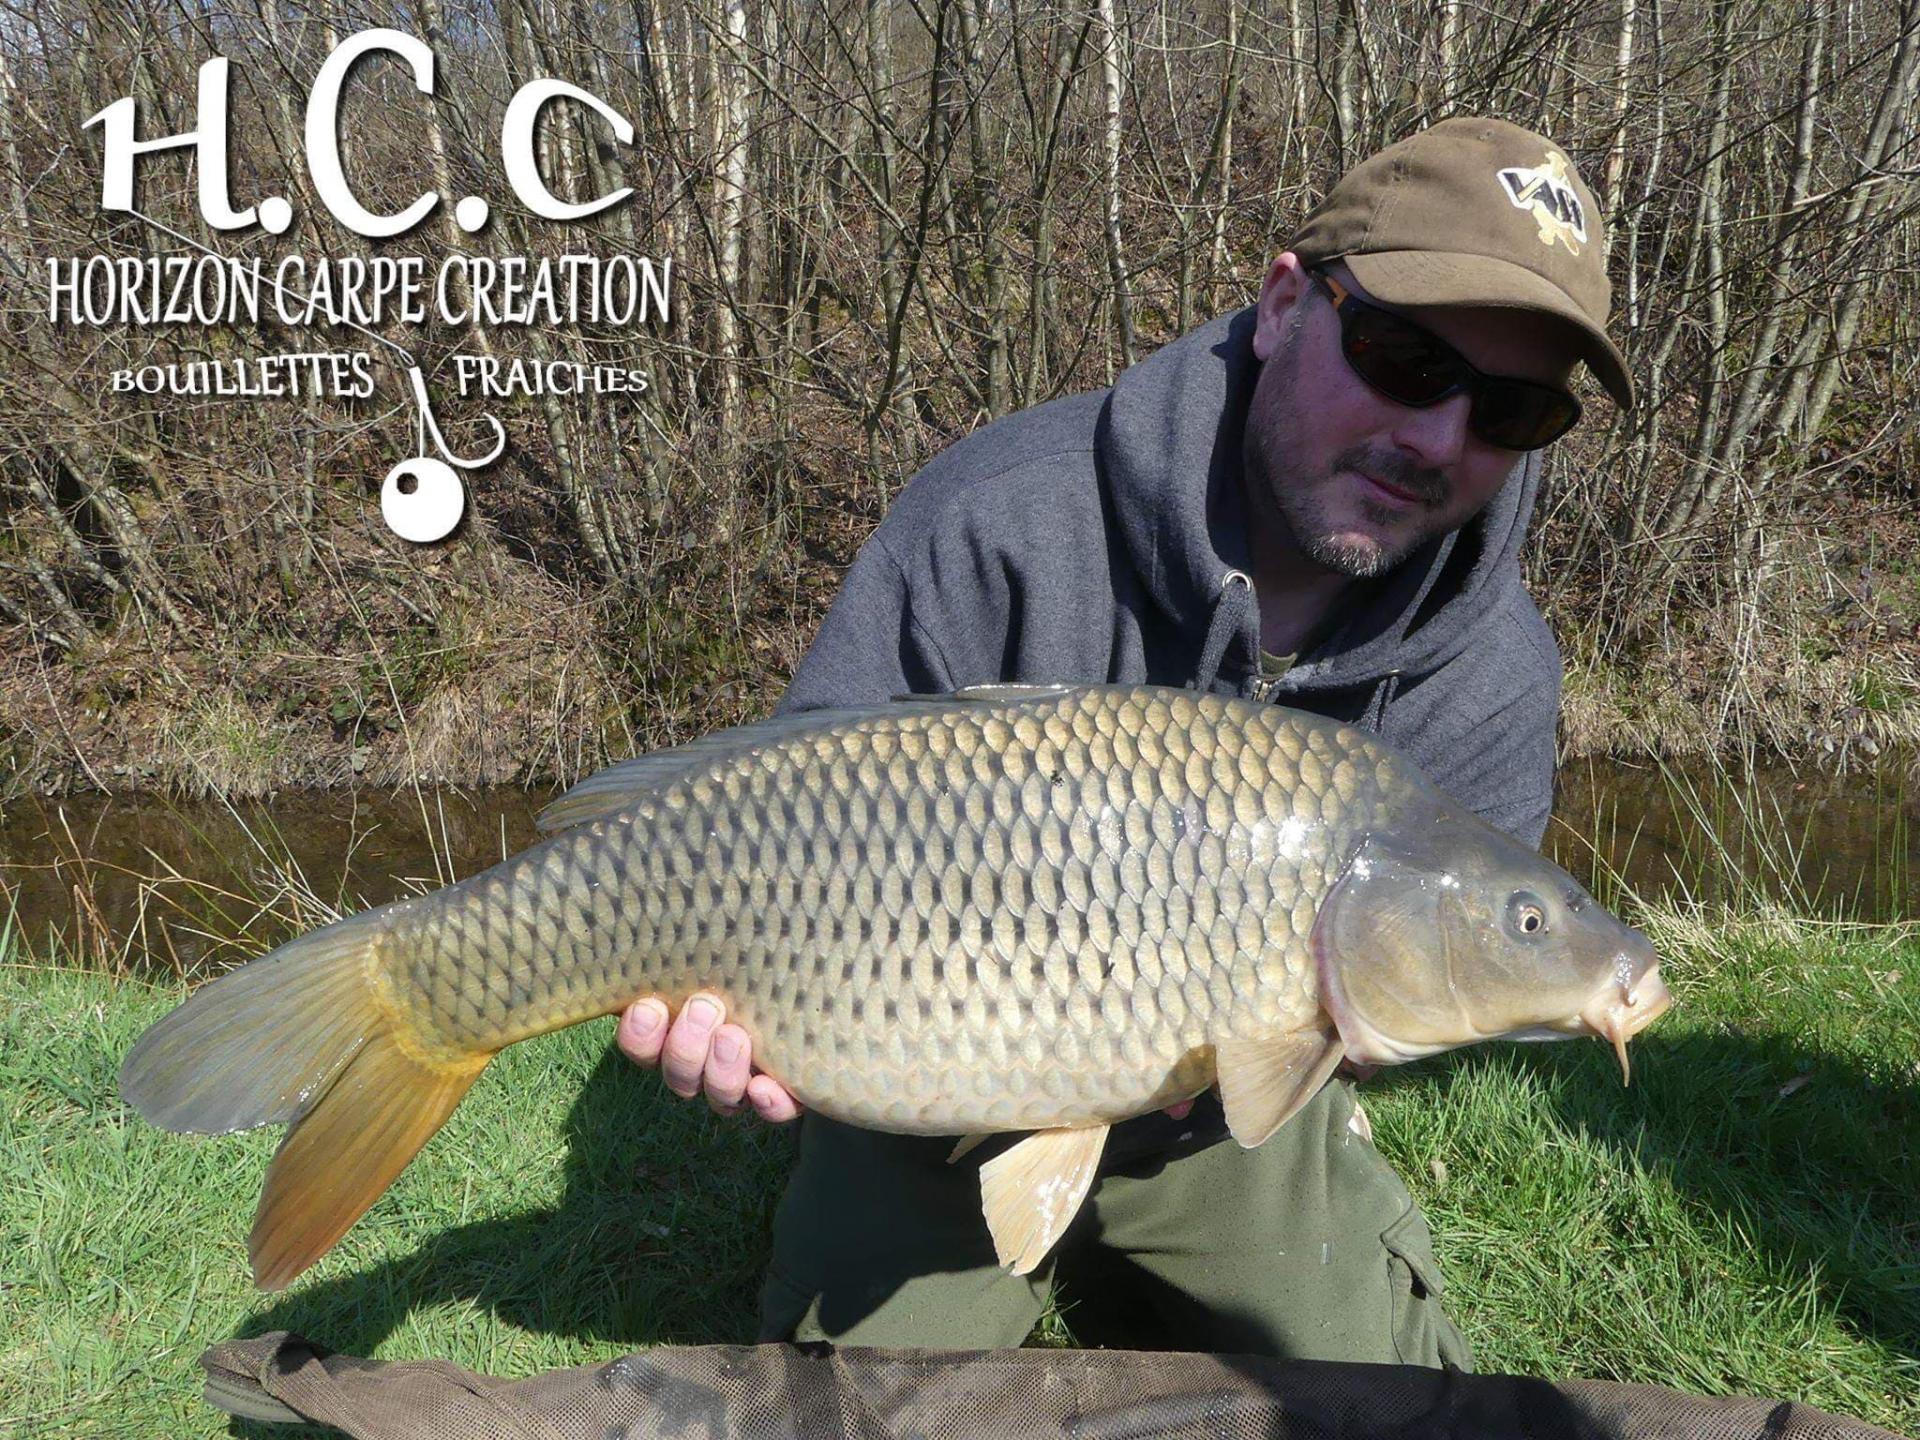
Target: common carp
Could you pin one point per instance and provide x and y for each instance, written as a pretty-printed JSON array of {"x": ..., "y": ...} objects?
[{"x": 1014, "y": 908}]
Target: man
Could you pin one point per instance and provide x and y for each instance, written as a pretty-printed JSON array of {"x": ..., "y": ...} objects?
[{"x": 1319, "y": 502}]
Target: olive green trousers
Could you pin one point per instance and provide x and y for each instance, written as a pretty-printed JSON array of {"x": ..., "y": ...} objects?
[{"x": 1308, "y": 1247}]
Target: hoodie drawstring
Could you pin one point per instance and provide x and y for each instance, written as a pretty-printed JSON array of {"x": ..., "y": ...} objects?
[
  {"x": 1236, "y": 608},
  {"x": 1374, "y": 717},
  {"x": 1230, "y": 613}
]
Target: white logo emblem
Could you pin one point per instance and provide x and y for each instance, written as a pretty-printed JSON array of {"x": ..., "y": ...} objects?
[{"x": 1547, "y": 191}]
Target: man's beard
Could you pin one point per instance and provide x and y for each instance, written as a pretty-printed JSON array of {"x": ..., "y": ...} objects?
[
  {"x": 1356, "y": 558},
  {"x": 1281, "y": 489}
]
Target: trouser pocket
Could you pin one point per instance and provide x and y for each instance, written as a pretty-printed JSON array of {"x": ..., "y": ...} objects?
[
  {"x": 878, "y": 1241},
  {"x": 783, "y": 1305},
  {"x": 1422, "y": 1333}
]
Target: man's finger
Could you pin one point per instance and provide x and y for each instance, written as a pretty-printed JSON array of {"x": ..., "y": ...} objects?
[
  {"x": 684, "y": 1059},
  {"x": 643, "y": 1031},
  {"x": 771, "y": 1100},
  {"x": 728, "y": 1066}
]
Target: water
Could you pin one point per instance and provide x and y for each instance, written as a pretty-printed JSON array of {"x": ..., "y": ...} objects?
[
  {"x": 1815, "y": 841},
  {"x": 139, "y": 881},
  {"x": 148, "y": 881}
]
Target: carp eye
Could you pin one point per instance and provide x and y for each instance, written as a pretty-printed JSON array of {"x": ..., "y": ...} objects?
[{"x": 1526, "y": 915}]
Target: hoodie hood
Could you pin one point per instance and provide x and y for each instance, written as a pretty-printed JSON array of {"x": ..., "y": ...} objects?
[{"x": 1181, "y": 413}]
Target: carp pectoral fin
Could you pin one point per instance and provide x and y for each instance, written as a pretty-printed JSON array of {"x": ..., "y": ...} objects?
[
  {"x": 1032, "y": 1192},
  {"x": 1263, "y": 1082},
  {"x": 966, "y": 1143}
]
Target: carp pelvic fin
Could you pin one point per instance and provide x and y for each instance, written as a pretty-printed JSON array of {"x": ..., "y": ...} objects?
[
  {"x": 301, "y": 1038},
  {"x": 1264, "y": 1082},
  {"x": 966, "y": 1144},
  {"x": 1032, "y": 1191}
]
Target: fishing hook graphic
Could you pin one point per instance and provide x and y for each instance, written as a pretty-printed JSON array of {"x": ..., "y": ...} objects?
[
  {"x": 421, "y": 498},
  {"x": 430, "y": 427}
]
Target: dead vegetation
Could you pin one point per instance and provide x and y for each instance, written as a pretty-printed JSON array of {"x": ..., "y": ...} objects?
[{"x": 890, "y": 222}]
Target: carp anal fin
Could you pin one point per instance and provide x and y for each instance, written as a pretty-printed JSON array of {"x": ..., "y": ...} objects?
[
  {"x": 1264, "y": 1082},
  {"x": 1032, "y": 1191}
]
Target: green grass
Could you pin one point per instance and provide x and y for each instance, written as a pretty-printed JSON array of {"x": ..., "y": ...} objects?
[
  {"x": 1745, "y": 1218},
  {"x": 568, "y": 1212}
]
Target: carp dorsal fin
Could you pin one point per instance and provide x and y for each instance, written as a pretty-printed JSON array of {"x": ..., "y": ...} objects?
[
  {"x": 621, "y": 785},
  {"x": 1001, "y": 694},
  {"x": 1032, "y": 1191},
  {"x": 1264, "y": 1081}
]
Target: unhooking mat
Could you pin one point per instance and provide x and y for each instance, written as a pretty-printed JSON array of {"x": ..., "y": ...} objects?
[{"x": 817, "y": 1392}]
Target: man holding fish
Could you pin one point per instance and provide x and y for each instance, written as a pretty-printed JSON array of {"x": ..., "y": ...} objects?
[
  {"x": 1319, "y": 502},
  {"x": 1156, "y": 823}
]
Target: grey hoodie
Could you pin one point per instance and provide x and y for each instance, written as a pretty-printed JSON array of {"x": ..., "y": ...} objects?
[{"x": 1092, "y": 539}]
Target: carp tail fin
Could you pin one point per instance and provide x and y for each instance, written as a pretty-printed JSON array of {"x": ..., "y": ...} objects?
[
  {"x": 302, "y": 1038},
  {"x": 342, "y": 1154}
]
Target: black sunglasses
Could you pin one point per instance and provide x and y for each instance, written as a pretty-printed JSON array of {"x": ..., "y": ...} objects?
[{"x": 1415, "y": 367}]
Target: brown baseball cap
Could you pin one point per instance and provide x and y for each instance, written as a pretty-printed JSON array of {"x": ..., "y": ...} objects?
[{"x": 1474, "y": 212}]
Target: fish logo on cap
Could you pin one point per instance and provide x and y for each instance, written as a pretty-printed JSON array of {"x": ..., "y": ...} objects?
[{"x": 1547, "y": 191}]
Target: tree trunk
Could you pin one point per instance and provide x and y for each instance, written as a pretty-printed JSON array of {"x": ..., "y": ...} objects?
[
  {"x": 1612, "y": 191},
  {"x": 1111, "y": 87},
  {"x": 730, "y": 119}
]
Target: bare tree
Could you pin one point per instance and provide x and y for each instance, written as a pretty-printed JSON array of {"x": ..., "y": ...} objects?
[{"x": 889, "y": 220}]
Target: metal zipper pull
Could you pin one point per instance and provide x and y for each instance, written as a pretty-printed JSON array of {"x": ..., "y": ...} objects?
[{"x": 1259, "y": 688}]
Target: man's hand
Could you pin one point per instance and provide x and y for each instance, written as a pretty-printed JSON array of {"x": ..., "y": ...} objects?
[{"x": 699, "y": 1050}]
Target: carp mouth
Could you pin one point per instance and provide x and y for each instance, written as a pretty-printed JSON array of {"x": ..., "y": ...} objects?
[
  {"x": 1624, "y": 1009},
  {"x": 1620, "y": 1011}
]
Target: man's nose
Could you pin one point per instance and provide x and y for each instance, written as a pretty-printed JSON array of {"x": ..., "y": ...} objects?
[{"x": 1435, "y": 435}]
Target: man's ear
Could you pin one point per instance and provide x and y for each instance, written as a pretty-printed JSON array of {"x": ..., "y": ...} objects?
[{"x": 1280, "y": 294}]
